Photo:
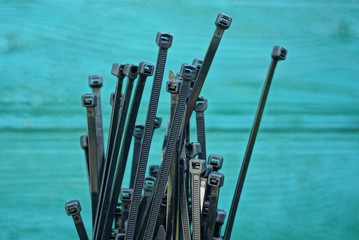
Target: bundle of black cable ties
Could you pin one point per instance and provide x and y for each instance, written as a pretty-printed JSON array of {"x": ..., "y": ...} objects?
[{"x": 178, "y": 199}]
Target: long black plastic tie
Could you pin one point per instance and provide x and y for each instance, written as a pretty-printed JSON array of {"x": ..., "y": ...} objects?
[
  {"x": 164, "y": 41},
  {"x": 278, "y": 53},
  {"x": 89, "y": 101},
  {"x": 95, "y": 82},
  {"x": 222, "y": 22}
]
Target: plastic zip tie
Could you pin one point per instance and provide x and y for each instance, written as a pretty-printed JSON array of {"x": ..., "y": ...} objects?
[
  {"x": 95, "y": 82},
  {"x": 196, "y": 168},
  {"x": 222, "y": 23},
  {"x": 215, "y": 180},
  {"x": 279, "y": 53},
  {"x": 164, "y": 41},
  {"x": 73, "y": 209},
  {"x": 89, "y": 101}
]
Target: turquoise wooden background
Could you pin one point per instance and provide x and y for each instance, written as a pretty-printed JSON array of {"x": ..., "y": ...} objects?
[{"x": 303, "y": 177}]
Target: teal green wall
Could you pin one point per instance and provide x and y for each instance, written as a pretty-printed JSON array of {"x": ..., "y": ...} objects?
[{"x": 303, "y": 178}]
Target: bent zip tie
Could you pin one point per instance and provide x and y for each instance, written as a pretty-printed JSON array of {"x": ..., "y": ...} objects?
[
  {"x": 95, "y": 82},
  {"x": 108, "y": 198},
  {"x": 196, "y": 168},
  {"x": 215, "y": 180},
  {"x": 200, "y": 107},
  {"x": 73, "y": 209},
  {"x": 222, "y": 22},
  {"x": 89, "y": 101},
  {"x": 279, "y": 53},
  {"x": 188, "y": 73},
  {"x": 164, "y": 41}
]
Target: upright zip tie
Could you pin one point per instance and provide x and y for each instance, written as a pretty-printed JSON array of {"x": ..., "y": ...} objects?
[
  {"x": 164, "y": 41},
  {"x": 89, "y": 101},
  {"x": 279, "y": 53},
  {"x": 200, "y": 107},
  {"x": 196, "y": 168},
  {"x": 188, "y": 73},
  {"x": 73, "y": 208},
  {"x": 222, "y": 22},
  {"x": 95, "y": 82},
  {"x": 105, "y": 219},
  {"x": 215, "y": 180}
]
